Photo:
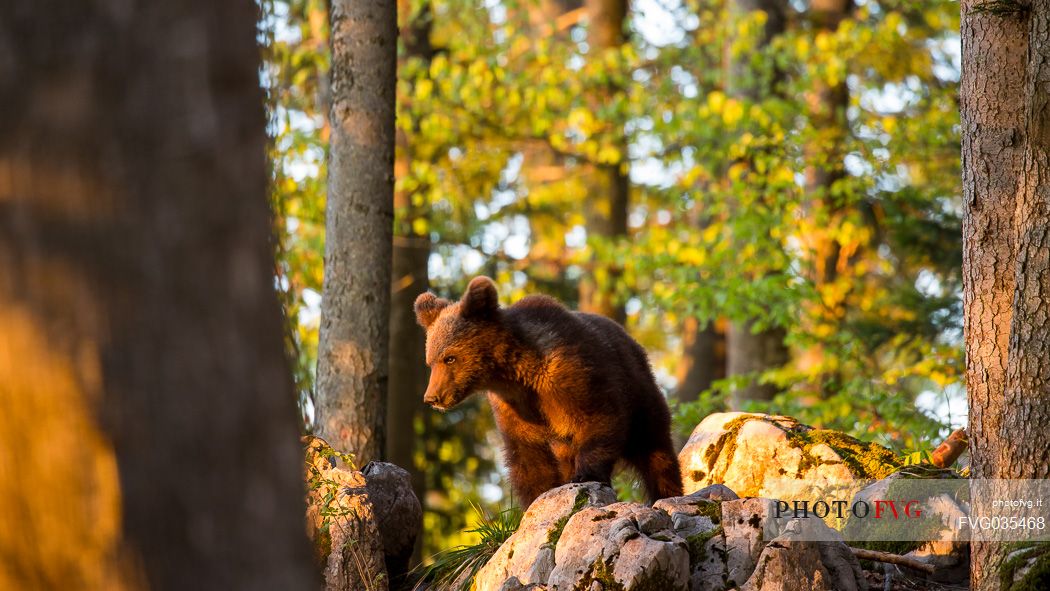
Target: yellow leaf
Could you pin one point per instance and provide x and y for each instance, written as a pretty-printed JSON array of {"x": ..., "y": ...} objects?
[
  {"x": 420, "y": 226},
  {"x": 733, "y": 112},
  {"x": 715, "y": 101}
]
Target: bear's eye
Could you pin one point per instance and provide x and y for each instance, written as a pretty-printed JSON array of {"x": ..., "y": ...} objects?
[{"x": 450, "y": 360}]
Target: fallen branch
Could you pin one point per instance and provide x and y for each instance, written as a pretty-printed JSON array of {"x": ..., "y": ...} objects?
[
  {"x": 897, "y": 559},
  {"x": 949, "y": 451}
]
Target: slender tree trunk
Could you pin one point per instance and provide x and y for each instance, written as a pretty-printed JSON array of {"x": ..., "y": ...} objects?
[
  {"x": 148, "y": 430},
  {"x": 748, "y": 351},
  {"x": 609, "y": 190},
  {"x": 352, "y": 360},
  {"x": 411, "y": 255},
  {"x": 1006, "y": 281}
]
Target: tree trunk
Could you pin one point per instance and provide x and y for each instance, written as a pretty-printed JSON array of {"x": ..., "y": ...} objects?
[
  {"x": 148, "y": 430},
  {"x": 1005, "y": 290},
  {"x": 748, "y": 351},
  {"x": 411, "y": 255},
  {"x": 825, "y": 153},
  {"x": 352, "y": 360},
  {"x": 609, "y": 189},
  {"x": 703, "y": 360},
  {"x": 1026, "y": 407}
]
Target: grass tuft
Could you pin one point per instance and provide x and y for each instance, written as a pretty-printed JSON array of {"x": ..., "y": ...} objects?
[{"x": 455, "y": 569}]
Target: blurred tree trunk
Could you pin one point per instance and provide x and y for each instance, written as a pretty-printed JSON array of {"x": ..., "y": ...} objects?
[
  {"x": 148, "y": 425},
  {"x": 411, "y": 255},
  {"x": 748, "y": 351},
  {"x": 751, "y": 352},
  {"x": 542, "y": 166},
  {"x": 827, "y": 105},
  {"x": 609, "y": 187},
  {"x": 1006, "y": 279},
  {"x": 703, "y": 360},
  {"x": 352, "y": 360}
]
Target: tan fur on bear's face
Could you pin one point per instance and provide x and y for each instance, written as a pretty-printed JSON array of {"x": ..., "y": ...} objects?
[{"x": 458, "y": 338}]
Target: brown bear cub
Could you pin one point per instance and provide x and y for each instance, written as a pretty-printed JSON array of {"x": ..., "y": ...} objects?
[{"x": 572, "y": 392}]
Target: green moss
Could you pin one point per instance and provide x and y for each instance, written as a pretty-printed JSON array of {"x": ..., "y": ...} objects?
[
  {"x": 697, "y": 545},
  {"x": 864, "y": 460},
  {"x": 1038, "y": 576},
  {"x": 559, "y": 526},
  {"x": 322, "y": 546},
  {"x": 712, "y": 453},
  {"x": 710, "y": 509},
  {"x": 601, "y": 572},
  {"x": 726, "y": 446}
]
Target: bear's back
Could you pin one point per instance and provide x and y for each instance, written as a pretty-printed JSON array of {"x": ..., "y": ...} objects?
[{"x": 546, "y": 324}]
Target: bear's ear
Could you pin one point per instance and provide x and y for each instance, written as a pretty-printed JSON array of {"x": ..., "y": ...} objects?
[
  {"x": 481, "y": 299},
  {"x": 428, "y": 307}
]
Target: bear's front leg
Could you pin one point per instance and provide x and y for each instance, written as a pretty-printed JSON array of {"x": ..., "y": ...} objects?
[
  {"x": 595, "y": 461},
  {"x": 533, "y": 470}
]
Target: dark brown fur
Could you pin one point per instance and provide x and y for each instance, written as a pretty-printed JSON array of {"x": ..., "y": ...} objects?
[{"x": 572, "y": 392}]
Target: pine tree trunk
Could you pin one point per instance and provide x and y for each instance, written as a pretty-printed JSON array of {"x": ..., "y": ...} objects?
[
  {"x": 609, "y": 188},
  {"x": 1026, "y": 416},
  {"x": 747, "y": 351},
  {"x": 1005, "y": 277},
  {"x": 148, "y": 423},
  {"x": 352, "y": 364}
]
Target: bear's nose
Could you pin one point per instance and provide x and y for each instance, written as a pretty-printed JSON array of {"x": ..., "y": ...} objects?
[{"x": 430, "y": 399}]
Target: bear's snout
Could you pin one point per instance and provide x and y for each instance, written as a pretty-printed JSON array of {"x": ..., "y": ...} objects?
[{"x": 430, "y": 399}]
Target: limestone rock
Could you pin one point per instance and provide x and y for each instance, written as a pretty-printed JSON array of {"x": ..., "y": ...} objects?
[
  {"x": 747, "y": 526},
  {"x": 513, "y": 584},
  {"x": 790, "y": 563},
  {"x": 398, "y": 513},
  {"x": 776, "y": 457},
  {"x": 528, "y": 555},
  {"x": 576, "y": 538},
  {"x": 951, "y": 558},
  {"x": 631, "y": 544}
]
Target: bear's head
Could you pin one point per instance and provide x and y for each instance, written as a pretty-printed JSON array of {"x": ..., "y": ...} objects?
[{"x": 460, "y": 339}]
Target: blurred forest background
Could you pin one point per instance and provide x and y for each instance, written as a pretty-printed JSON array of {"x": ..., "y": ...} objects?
[{"x": 765, "y": 192}]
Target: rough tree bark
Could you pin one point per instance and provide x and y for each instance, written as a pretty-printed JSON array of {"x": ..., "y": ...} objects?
[
  {"x": 148, "y": 426},
  {"x": 748, "y": 351},
  {"x": 1026, "y": 407},
  {"x": 609, "y": 188},
  {"x": 352, "y": 361},
  {"x": 1006, "y": 281}
]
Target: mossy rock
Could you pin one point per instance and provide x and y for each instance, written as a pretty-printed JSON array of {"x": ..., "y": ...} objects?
[
  {"x": 773, "y": 456},
  {"x": 1026, "y": 568}
]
